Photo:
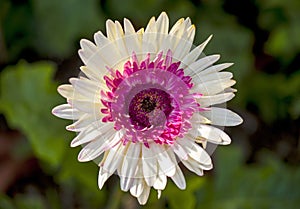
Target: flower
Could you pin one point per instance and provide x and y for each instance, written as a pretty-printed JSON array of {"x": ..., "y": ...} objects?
[{"x": 145, "y": 101}]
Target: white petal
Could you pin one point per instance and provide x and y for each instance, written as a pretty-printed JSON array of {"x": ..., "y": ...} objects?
[
  {"x": 130, "y": 165},
  {"x": 133, "y": 44},
  {"x": 111, "y": 30},
  {"x": 222, "y": 117},
  {"x": 167, "y": 166},
  {"x": 120, "y": 44},
  {"x": 95, "y": 66},
  {"x": 88, "y": 47},
  {"x": 137, "y": 188},
  {"x": 213, "y": 87},
  {"x": 201, "y": 64},
  {"x": 85, "y": 106},
  {"x": 170, "y": 41},
  {"x": 144, "y": 196},
  {"x": 132, "y": 40},
  {"x": 194, "y": 54},
  {"x": 66, "y": 90},
  {"x": 179, "y": 179},
  {"x": 212, "y": 134},
  {"x": 196, "y": 152},
  {"x": 114, "y": 158},
  {"x": 87, "y": 88},
  {"x": 193, "y": 166},
  {"x": 98, "y": 146},
  {"x": 158, "y": 194},
  {"x": 162, "y": 23},
  {"x": 128, "y": 27},
  {"x": 211, "y": 77},
  {"x": 177, "y": 26},
  {"x": 90, "y": 73},
  {"x": 149, "y": 38},
  {"x": 102, "y": 177},
  {"x": 92, "y": 132},
  {"x": 206, "y": 101},
  {"x": 81, "y": 124},
  {"x": 160, "y": 182},
  {"x": 100, "y": 39},
  {"x": 180, "y": 152},
  {"x": 162, "y": 27},
  {"x": 150, "y": 165},
  {"x": 198, "y": 118},
  {"x": 185, "y": 44},
  {"x": 215, "y": 69},
  {"x": 66, "y": 111}
]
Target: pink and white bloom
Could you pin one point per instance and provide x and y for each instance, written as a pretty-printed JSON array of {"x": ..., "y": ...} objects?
[{"x": 145, "y": 102}]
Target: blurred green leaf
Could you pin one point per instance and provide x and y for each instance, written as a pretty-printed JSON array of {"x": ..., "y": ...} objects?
[
  {"x": 275, "y": 96},
  {"x": 271, "y": 185},
  {"x": 30, "y": 201},
  {"x": 139, "y": 13},
  {"x": 6, "y": 202},
  {"x": 85, "y": 173},
  {"x": 231, "y": 40},
  {"x": 16, "y": 22},
  {"x": 60, "y": 23},
  {"x": 282, "y": 20},
  {"x": 27, "y": 96},
  {"x": 184, "y": 199}
]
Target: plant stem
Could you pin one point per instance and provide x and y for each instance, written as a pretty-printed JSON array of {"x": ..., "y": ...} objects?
[{"x": 115, "y": 197}]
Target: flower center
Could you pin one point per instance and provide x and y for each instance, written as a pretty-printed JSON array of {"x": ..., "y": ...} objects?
[{"x": 150, "y": 107}]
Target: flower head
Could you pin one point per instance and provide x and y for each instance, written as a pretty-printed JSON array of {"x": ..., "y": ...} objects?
[{"x": 145, "y": 101}]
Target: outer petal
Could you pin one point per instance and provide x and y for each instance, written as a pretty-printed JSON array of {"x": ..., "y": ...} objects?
[
  {"x": 150, "y": 165},
  {"x": 194, "y": 54},
  {"x": 144, "y": 196},
  {"x": 222, "y": 117},
  {"x": 179, "y": 179},
  {"x": 102, "y": 177},
  {"x": 97, "y": 147},
  {"x": 201, "y": 64},
  {"x": 213, "y": 87},
  {"x": 206, "y": 101},
  {"x": 166, "y": 165},
  {"x": 93, "y": 131},
  {"x": 87, "y": 88},
  {"x": 66, "y": 111},
  {"x": 129, "y": 165},
  {"x": 113, "y": 158},
  {"x": 211, "y": 134},
  {"x": 196, "y": 152}
]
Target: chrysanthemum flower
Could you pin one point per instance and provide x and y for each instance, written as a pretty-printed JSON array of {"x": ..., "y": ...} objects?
[{"x": 145, "y": 102}]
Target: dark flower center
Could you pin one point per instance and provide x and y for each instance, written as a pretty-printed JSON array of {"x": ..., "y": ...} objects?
[{"x": 150, "y": 107}]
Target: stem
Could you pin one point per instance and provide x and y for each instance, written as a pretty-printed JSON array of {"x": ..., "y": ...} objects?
[
  {"x": 115, "y": 197},
  {"x": 3, "y": 51}
]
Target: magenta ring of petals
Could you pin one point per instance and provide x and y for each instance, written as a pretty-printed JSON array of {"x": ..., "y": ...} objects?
[{"x": 165, "y": 101}]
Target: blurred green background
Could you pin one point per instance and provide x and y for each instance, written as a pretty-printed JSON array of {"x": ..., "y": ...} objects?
[{"x": 39, "y": 40}]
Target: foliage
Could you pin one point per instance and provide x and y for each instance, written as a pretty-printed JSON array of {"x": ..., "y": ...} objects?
[
  {"x": 26, "y": 98},
  {"x": 48, "y": 27}
]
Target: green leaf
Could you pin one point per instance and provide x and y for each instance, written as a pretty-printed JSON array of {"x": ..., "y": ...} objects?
[
  {"x": 6, "y": 202},
  {"x": 30, "y": 201},
  {"x": 184, "y": 199},
  {"x": 59, "y": 24},
  {"x": 27, "y": 95},
  {"x": 270, "y": 184},
  {"x": 86, "y": 173}
]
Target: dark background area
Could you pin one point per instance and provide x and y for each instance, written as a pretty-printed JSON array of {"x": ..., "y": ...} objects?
[{"x": 39, "y": 40}]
